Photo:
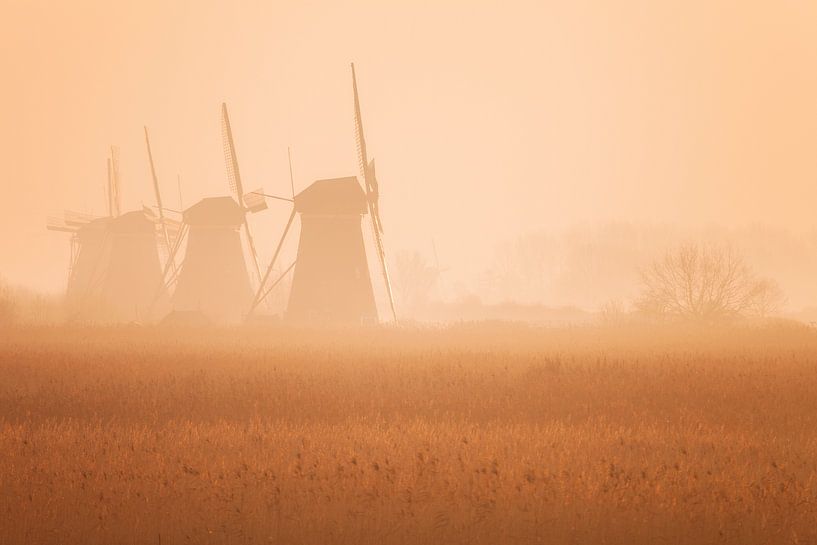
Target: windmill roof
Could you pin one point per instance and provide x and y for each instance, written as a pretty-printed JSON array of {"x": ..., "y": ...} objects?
[
  {"x": 96, "y": 227},
  {"x": 332, "y": 196},
  {"x": 132, "y": 222},
  {"x": 215, "y": 212}
]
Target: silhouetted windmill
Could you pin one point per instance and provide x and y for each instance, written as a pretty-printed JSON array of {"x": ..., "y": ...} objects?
[
  {"x": 213, "y": 279},
  {"x": 331, "y": 282},
  {"x": 114, "y": 260}
]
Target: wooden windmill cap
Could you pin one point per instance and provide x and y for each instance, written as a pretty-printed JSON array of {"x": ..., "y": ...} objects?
[
  {"x": 95, "y": 228},
  {"x": 335, "y": 196},
  {"x": 133, "y": 222},
  {"x": 215, "y": 212}
]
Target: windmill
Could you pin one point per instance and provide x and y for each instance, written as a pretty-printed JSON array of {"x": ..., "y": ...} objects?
[
  {"x": 114, "y": 259},
  {"x": 213, "y": 280},
  {"x": 88, "y": 236},
  {"x": 331, "y": 281}
]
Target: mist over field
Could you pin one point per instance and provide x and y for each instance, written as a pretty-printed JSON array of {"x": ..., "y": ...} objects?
[{"x": 408, "y": 272}]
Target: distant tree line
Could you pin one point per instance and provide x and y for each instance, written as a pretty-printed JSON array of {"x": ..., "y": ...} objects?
[{"x": 603, "y": 266}]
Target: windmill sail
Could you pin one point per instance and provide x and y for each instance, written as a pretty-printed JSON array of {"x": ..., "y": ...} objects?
[
  {"x": 158, "y": 194},
  {"x": 291, "y": 177},
  {"x": 114, "y": 189},
  {"x": 108, "y": 191},
  {"x": 234, "y": 179},
  {"x": 372, "y": 192}
]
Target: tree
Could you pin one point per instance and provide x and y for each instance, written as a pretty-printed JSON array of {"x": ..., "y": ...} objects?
[
  {"x": 766, "y": 298},
  {"x": 705, "y": 282}
]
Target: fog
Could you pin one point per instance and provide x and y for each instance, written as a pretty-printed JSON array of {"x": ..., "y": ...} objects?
[{"x": 490, "y": 123}]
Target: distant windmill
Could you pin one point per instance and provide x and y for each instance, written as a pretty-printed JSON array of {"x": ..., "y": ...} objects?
[
  {"x": 114, "y": 260},
  {"x": 88, "y": 235},
  {"x": 331, "y": 282},
  {"x": 213, "y": 279}
]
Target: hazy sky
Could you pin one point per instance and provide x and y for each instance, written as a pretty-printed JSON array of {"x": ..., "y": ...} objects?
[{"x": 486, "y": 118}]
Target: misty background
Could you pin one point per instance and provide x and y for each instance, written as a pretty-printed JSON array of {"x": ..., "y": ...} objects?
[{"x": 548, "y": 150}]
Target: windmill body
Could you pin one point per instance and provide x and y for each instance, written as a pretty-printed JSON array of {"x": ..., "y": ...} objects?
[
  {"x": 90, "y": 240},
  {"x": 116, "y": 271},
  {"x": 331, "y": 282},
  {"x": 214, "y": 279},
  {"x": 133, "y": 267}
]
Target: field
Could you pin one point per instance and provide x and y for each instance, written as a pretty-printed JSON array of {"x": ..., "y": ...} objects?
[{"x": 476, "y": 433}]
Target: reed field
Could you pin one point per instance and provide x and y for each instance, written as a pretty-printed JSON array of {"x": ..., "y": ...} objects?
[{"x": 483, "y": 433}]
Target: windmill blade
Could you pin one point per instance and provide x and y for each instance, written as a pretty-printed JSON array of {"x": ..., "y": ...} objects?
[
  {"x": 55, "y": 223},
  {"x": 116, "y": 199},
  {"x": 278, "y": 280},
  {"x": 260, "y": 294},
  {"x": 78, "y": 219},
  {"x": 374, "y": 195},
  {"x": 372, "y": 192},
  {"x": 172, "y": 227},
  {"x": 156, "y": 191},
  {"x": 234, "y": 179},
  {"x": 291, "y": 177},
  {"x": 251, "y": 244},
  {"x": 160, "y": 207},
  {"x": 108, "y": 192},
  {"x": 230, "y": 159},
  {"x": 165, "y": 282},
  {"x": 360, "y": 141}
]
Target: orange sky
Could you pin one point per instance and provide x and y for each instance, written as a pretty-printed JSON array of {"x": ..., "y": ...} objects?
[{"x": 487, "y": 119}]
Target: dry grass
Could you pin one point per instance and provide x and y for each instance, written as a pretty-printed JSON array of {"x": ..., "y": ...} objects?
[{"x": 474, "y": 434}]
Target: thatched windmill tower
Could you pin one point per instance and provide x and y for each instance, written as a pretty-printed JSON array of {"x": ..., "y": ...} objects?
[
  {"x": 213, "y": 280},
  {"x": 331, "y": 282}
]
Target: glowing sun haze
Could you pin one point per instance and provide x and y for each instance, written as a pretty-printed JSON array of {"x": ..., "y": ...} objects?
[{"x": 487, "y": 119}]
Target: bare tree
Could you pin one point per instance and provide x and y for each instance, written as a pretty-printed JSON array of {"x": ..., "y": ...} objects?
[
  {"x": 766, "y": 298},
  {"x": 705, "y": 282}
]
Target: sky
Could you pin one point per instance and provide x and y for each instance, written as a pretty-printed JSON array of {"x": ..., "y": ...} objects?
[{"x": 487, "y": 119}]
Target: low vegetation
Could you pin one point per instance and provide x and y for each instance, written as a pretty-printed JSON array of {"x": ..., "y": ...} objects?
[{"x": 484, "y": 433}]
